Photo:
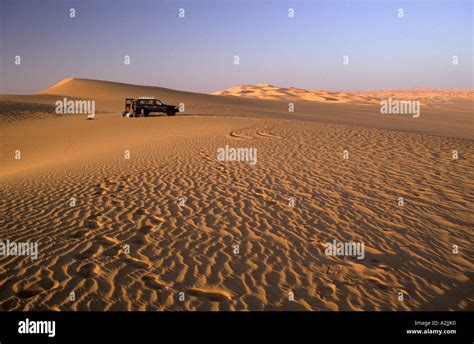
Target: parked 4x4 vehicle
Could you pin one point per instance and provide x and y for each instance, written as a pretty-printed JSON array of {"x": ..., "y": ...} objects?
[{"x": 144, "y": 106}]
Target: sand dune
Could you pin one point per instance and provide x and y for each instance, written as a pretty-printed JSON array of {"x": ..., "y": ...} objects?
[
  {"x": 267, "y": 91},
  {"x": 427, "y": 96},
  {"x": 129, "y": 243}
]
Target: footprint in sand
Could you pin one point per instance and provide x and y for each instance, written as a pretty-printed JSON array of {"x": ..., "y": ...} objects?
[
  {"x": 141, "y": 239},
  {"x": 263, "y": 133},
  {"x": 143, "y": 234},
  {"x": 147, "y": 229},
  {"x": 139, "y": 263},
  {"x": 156, "y": 219},
  {"x": 100, "y": 189},
  {"x": 211, "y": 294},
  {"x": 89, "y": 270},
  {"x": 112, "y": 245},
  {"x": 238, "y": 135},
  {"x": 28, "y": 291},
  {"x": 334, "y": 270},
  {"x": 80, "y": 234},
  {"x": 92, "y": 222},
  {"x": 105, "y": 185},
  {"x": 378, "y": 264},
  {"x": 326, "y": 291},
  {"x": 154, "y": 282},
  {"x": 378, "y": 283},
  {"x": 102, "y": 186},
  {"x": 141, "y": 212},
  {"x": 267, "y": 197},
  {"x": 106, "y": 240}
]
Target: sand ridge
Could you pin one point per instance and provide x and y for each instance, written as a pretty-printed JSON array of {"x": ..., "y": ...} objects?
[{"x": 427, "y": 96}]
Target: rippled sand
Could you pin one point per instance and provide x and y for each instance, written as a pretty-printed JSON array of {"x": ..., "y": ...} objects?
[{"x": 236, "y": 243}]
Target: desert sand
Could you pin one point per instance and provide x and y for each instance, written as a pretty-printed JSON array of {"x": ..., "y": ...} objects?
[
  {"x": 428, "y": 96},
  {"x": 183, "y": 256}
]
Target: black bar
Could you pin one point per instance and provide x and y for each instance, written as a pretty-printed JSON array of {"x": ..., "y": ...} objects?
[{"x": 245, "y": 327}]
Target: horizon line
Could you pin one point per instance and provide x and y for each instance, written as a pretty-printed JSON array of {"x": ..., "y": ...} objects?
[{"x": 70, "y": 78}]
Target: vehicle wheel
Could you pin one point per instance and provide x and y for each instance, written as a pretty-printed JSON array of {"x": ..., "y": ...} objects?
[
  {"x": 171, "y": 113},
  {"x": 145, "y": 113}
]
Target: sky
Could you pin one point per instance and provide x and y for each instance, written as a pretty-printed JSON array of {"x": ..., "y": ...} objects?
[{"x": 196, "y": 53}]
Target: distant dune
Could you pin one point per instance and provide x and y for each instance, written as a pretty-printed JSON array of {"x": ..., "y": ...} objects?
[
  {"x": 424, "y": 95},
  {"x": 270, "y": 92}
]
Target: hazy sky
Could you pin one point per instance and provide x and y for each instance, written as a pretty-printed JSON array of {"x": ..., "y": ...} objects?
[{"x": 196, "y": 53}]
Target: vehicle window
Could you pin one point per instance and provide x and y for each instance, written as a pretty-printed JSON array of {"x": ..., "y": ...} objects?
[
  {"x": 150, "y": 102},
  {"x": 141, "y": 102}
]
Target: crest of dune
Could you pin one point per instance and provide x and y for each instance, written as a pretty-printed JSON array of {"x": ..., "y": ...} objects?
[{"x": 57, "y": 85}]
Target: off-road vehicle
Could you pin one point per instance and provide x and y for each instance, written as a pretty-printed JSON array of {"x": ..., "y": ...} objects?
[{"x": 143, "y": 106}]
